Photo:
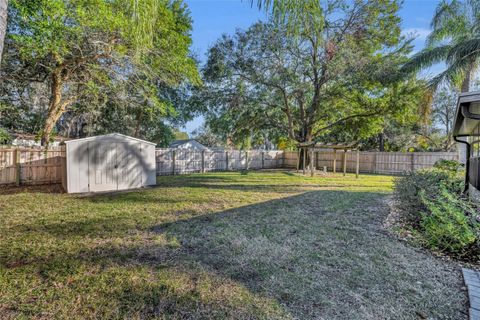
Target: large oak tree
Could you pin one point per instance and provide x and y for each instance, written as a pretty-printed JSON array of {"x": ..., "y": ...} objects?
[
  {"x": 338, "y": 66},
  {"x": 80, "y": 50}
]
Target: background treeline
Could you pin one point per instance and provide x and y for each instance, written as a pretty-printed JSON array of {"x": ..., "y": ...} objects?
[
  {"x": 78, "y": 68},
  {"x": 337, "y": 73}
]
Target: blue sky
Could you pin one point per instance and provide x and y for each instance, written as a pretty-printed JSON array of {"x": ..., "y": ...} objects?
[{"x": 212, "y": 18}]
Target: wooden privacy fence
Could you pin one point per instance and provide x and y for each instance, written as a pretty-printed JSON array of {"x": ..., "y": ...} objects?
[
  {"x": 27, "y": 166},
  {"x": 373, "y": 162},
  {"x": 178, "y": 161}
]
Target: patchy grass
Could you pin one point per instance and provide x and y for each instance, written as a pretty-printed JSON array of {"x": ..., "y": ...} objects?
[{"x": 268, "y": 245}]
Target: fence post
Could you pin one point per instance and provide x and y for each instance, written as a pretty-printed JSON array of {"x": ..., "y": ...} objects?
[
  {"x": 357, "y": 169},
  {"x": 375, "y": 162},
  {"x": 304, "y": 152},
  {"x": 173, "y": 161},
  {"x": 203, "y": 161},
  {"x": 413, "y": 161},
  {"x": 226, "y": 160},
  {"x": 334, "y": 160},
  {"x": 263, "y": 159},
  {"x": 16, "y": 155},
  {"x": 312, "y": 162},
  {"x": 298, "y": 160},
  {"x": 344, "y": 162},
  {"x": 246, "y": 160}
]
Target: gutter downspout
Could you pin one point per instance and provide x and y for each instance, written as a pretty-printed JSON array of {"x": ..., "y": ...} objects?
[
  {"x": 468, "y": 115},
  {"x": 467, "y": 164}
]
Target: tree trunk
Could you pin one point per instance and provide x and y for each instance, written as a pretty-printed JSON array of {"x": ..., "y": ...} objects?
[
  {"x": 466, "y": 80},
  {"x": 55, "y": 107},
  {"x": 3, "y": 24},
  {"x": 381, "y": 142}
]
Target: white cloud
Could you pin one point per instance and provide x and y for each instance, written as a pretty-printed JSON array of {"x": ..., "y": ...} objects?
[{"x": 418, "y": 33}]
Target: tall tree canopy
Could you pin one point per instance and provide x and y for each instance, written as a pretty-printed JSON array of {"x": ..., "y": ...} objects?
[
  {"x": 455, "y": 40},
  {"x": 89, "y": 53},
  {"x": 340, "y": 67}
]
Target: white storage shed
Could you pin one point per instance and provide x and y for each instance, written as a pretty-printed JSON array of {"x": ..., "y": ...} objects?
[{"x": 108, "y": 163}]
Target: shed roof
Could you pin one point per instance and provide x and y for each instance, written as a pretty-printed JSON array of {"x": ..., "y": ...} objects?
[
  {"x": 468, "y": 103},
  {"x": 113, "y": 135}
]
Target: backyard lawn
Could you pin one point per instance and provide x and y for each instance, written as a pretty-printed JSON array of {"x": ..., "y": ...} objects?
[{"x": 268, "y": 245}]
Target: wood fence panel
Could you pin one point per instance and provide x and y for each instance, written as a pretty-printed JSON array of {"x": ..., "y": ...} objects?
[
  {"x": 35, "y": 165},
  {"x": 272, "y": 159},
  {"x": 379, "y": 162},
  {"x": 215, "y": 160},
  {"x": 290, "y": 159},
  {"x": 255, "y": 159}
]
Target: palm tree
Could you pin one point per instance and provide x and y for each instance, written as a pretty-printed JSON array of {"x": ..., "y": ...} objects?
[
  {"x": 454, "y": 40},
  {"x": 3, "y": 24}
]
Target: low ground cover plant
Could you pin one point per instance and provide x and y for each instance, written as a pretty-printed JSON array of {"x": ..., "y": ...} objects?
[{"x": 433, "y": 206}]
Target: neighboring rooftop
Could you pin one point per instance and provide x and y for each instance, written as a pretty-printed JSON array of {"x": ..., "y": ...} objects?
[{"x": 187, "y": 144}]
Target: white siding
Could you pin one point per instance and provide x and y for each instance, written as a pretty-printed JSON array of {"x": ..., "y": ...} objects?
[{"x": 130, "y": 163}]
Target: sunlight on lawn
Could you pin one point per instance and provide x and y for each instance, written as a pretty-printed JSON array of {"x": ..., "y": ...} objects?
[{"x": 220, "y": 245}]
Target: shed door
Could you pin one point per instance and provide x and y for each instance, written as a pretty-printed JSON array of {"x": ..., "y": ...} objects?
[
  {"x": 102, "y": 171},
  {"x": 129, "y": 165}
]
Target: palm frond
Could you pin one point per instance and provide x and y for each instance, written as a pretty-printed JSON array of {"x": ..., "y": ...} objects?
[
  {"x": 469, "y": 49},
  {"x": 454, "y": 29},
  {"x": 475, "y": 9},
  {"x": 454, "y": 74},
  {"x": 427, "y": 58},
  {"x": 446, "y": 11}
]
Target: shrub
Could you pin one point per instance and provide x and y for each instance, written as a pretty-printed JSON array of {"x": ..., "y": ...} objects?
[
  {"x": 452, "y": 166},
  {"x": 5, "y": 137},
  {"x": 447, "y": 224},
  {"x": 428, "y": 181},
  {"x": 431, "y": 202}
]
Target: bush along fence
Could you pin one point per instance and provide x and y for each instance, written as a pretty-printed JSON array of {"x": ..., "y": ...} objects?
[{"x": 28, "y": 166}]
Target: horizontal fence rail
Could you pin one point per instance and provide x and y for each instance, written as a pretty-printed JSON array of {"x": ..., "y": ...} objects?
[{"x": 28, "y": 166}]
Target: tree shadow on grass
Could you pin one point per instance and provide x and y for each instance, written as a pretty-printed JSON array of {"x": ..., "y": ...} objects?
[
  {"x": 320, "y": 254},
  {"x": 47, "y": 188}
]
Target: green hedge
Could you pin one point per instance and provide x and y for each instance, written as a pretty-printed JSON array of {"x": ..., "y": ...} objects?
[{"x": 431, "y": 202}]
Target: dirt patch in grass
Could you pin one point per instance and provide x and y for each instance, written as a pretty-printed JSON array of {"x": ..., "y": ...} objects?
[{"x": 263, "y": 245}]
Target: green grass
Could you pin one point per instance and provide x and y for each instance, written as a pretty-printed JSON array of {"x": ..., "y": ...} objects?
[{"x": 269, "y": 245}]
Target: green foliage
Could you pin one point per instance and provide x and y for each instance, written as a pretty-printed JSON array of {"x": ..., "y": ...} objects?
[
  {"x": 452, "y": 166},
  {"x": 429, "y": 181},
  {"x": 333, "y": 76},
  {"x": 180, "y": 135},
  {"x": 447, "y": 224},
  {"x": 431, "y": 203},
  {"x": 5, "y": 137},
  {"x": 205, "y": 136},
  {"x": 454, "y": 40},
  {"x": 125, "y": 54}
]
